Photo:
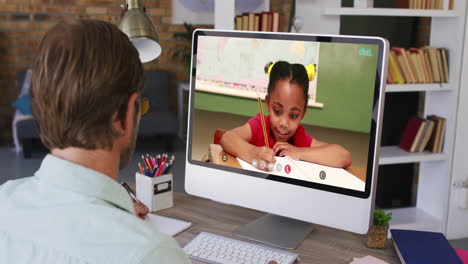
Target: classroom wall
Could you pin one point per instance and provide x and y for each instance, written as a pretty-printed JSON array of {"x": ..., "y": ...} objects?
[
  {"x": 207, "y": 122},
  {"x": 345, "y": 79},
  {"x": 24, "y": 22}
]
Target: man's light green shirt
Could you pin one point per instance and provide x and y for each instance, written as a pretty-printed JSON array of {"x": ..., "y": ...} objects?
[{"x": 67, "y": 213}]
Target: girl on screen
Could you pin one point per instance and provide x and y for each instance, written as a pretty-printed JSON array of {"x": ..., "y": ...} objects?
[{"x": 286, "y": 101}]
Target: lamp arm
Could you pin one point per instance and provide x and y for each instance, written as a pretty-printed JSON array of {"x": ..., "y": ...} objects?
[{"x": 134, "y": 4}]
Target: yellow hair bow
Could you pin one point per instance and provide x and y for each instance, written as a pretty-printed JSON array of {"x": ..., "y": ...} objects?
[
  {"x": 311, "y": 72},
  {"x": 270, "y": 68}
]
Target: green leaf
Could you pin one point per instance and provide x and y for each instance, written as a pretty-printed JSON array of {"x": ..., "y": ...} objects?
[{"x": 381, "y": 219}]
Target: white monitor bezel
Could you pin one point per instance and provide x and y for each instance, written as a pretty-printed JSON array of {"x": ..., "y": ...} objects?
[{"x": 351, "y": 209}]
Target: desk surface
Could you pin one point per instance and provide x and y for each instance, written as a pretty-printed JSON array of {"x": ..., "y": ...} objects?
[{"x": 323, "y": 245}]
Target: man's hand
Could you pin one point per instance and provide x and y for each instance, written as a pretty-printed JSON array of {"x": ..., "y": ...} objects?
[{"x": 140, "y": 209}]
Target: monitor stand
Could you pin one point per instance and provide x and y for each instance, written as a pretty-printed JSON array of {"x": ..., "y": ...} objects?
[{"x": 275, "y": 230}]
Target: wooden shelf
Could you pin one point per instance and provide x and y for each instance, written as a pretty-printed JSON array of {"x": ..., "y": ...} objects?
[
  {"x": 436, "y": 87},
  {"x": 396, "y": 155},
  {"x": 399, "y": 12},
  {"x": 415, "y": 219}
]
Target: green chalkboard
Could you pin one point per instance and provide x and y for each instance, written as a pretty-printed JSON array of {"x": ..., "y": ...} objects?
[{"x": 345, "y": 85}]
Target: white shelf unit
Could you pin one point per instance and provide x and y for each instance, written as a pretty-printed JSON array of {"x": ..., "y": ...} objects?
[
  {"x": 396, "y": 155},
  {"x": 447, "y": 29},
  {"x": 396, "y": 12},
  {"x": 430, "y": 87},
  {"x": 414, "y": 218}
]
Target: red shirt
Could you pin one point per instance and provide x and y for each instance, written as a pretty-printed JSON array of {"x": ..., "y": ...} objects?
[{"x": 300, "y": 139}]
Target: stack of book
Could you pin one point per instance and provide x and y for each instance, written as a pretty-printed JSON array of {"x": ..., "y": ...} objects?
[
  {"x": 424, "y": 65},
  {"x": 264, "y": 21},
  {"x": 424, "y": 134},
  {"x": 423, "y": 4},
  {"x": 414, "y": 246}
]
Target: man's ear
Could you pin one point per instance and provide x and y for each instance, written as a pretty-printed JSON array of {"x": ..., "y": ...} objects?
[{"x": 126, "y": 122}]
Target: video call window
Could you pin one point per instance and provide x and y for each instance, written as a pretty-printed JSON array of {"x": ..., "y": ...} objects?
[{"x": 333, "y": 105}]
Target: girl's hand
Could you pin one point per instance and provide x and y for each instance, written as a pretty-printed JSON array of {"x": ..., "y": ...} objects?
[
  {"x": 285, "y": 149},
  {"x": 262, "y": 157}
]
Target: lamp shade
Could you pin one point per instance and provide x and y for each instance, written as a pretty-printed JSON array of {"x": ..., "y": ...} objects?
[{"x": 141, "y": 32}]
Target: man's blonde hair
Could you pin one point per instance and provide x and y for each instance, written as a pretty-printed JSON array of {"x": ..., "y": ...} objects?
[{"x": 85, "y": 71}]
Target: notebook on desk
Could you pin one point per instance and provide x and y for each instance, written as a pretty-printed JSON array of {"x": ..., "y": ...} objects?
[
  {"x": 167, "y": 225},
  {"x": 420, "y": 247}
]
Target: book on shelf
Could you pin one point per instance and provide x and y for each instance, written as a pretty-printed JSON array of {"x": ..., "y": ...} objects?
[
  {"x": 275, "y": 24},
  {"x": 257, "y": 22},
  {"x": 445, "y": 64},
  {"x": 395, "y": 70},
  {"x": 245, "y": 21},
  {"x": 410, "y": 133},
  {"x": 417, "y": 138},
  {"x": 427, "y": 66},
  {"x": 423, "y": 65},
  {"x": 423, "y": 247},
  {"x": 238, "y": 23},
  {"x": 264, "y": 21},
  {"x": 269, "y": 21},
  {"x": 440, "y": 66},
  {"x": 436, "y": 143},
  {"x": 422, "y": 4},
  {"x": 401, "y": 59},
  {"x": 402, "y": 4},
  {"x": 251, "y": 19},
  {"x": 424, "y": 134}
]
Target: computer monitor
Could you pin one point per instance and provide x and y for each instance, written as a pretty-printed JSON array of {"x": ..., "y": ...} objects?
[{"x": 342, "y": 115}]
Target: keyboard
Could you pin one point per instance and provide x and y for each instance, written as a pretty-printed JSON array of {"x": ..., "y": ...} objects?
[{"x": 210, "y": 248}]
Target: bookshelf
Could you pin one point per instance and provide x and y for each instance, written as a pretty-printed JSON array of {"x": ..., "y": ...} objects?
[
  {"x": 435, "y": 208},
  {"x": 435, "y": 169}
]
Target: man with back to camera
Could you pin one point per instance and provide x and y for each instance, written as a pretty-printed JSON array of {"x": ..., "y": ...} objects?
[{"x": 85, "y": 94}]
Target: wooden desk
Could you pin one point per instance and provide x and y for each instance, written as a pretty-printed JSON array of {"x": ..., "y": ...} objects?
[
  {"x": 217, "y": 152},
  {"x": 323, "y": 245}
]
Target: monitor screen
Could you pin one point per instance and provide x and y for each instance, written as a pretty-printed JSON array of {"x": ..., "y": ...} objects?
[{"x": 317, "y": 94}]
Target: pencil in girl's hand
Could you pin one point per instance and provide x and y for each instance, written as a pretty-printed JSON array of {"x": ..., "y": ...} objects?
[{"x": 265, "y": 134}]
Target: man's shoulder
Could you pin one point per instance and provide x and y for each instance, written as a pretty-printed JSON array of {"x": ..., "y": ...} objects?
[{"x": 9, "y": 187}]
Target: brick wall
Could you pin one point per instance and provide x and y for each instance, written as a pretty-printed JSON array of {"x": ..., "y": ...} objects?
[{"x": 24, "y": 22}]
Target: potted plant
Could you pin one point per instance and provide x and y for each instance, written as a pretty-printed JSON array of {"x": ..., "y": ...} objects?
[
  {"x": 377, "y": 235},
  {"x": 183, "y": 52}
]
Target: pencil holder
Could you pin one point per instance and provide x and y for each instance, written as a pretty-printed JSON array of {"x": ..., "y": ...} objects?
[{"x": 154, "y": 192}]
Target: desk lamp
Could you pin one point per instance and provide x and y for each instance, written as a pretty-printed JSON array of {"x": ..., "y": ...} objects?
[{"x": 140, "y": 30}]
